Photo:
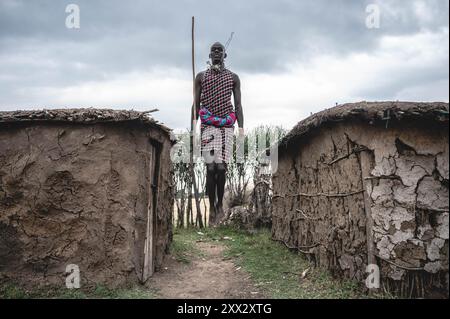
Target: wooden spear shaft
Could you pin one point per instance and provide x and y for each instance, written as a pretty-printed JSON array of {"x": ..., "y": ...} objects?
[
  {"x": 193, "y": 51},
  {"x": 194, "y": 181}
]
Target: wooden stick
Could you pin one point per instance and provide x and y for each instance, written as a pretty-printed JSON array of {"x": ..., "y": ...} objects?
[
  {"x": 306, "y": 216},
  {"x": 319, "y": 194},
  {"x": 364, "y": 165},
  {"x": 355, "y": 151},
  {"x": 297, "y": 248},
  {"x": 398, "y": 266},
  {"x": 150, "y": 111},
  {"x": 194, "y": 181},
  {"x": 193, "y": 48}
]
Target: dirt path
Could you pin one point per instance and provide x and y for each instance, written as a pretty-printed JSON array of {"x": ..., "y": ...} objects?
[{"x": 209, "y": 276}]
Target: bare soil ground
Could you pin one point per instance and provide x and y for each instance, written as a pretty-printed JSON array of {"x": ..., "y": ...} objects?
[{"x": 207, "y": 276}]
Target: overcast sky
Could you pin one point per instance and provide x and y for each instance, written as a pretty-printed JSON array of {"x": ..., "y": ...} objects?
[{"x": 294, "y": 57}]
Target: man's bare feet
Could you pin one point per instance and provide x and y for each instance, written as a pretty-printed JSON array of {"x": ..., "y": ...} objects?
[
  {"x": 219, "y": 213},
  {"x": 212, "y": 215}
]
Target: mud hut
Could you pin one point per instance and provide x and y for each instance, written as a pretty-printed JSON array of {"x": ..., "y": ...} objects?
[
  {"x": 368, "y": 183},
  {"x": 90, "y": 187}
]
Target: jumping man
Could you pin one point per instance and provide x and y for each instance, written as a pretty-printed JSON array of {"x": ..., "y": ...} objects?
[{"x": 213, "y": 90}]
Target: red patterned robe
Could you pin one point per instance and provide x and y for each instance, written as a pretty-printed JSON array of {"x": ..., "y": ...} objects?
[{"x": 217, "y": 88}]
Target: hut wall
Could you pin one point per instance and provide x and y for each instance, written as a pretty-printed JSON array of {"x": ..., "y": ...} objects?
[
  {"x": 319, "y": 205},
  {"x": 79, "y": 194}
]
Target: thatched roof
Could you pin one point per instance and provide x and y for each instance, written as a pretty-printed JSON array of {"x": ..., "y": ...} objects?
[
  {"x": 80, "y": 115},
  {"x": 370, "y": 112}
]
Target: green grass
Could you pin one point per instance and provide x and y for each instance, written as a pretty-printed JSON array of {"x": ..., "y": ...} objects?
[
  {"x": 274, "y": 268},
  {"x": 10, "y": 291},
  {"x": 183, "y": 245}
]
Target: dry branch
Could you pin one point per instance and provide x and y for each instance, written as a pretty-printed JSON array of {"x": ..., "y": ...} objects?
[{"x": 319, "y": 194}]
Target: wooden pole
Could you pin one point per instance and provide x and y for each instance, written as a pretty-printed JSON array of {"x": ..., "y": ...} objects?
[
  {"x": 193, "y": 51},
  {"x": 194, "y": 181},
  {"x": 364, "y": 160}
]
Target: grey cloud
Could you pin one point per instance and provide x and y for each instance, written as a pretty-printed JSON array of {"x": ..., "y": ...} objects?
[
  {"x": 387, "y": 87},
  {"x": 117, "y": 37}
]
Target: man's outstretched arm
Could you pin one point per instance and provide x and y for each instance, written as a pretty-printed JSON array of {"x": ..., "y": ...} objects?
[
  {"x": 197, "y": 93},
  {"x": 237, "y": 101}
]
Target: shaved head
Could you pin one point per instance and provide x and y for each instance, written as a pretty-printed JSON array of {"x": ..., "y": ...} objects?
[
  {"x": 217, "y": 44},
  {"x": 217, "y": 53}
]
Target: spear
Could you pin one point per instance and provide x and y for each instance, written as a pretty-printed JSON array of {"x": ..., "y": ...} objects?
[{"x": 194, "y": 181}]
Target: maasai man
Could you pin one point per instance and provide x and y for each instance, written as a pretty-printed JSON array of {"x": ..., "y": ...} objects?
[{"x": 213, "y": 90}]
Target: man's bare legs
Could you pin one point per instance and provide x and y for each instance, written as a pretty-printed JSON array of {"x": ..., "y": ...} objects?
[
  {"x": 211, "y": 190},
  {"x": 221, "y": 169},
  {"x": 215, "y": 185}
]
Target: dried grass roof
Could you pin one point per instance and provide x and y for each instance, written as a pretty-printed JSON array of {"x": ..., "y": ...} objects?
[
  {"x": 369, "y": 112},
  {"x": 80, "y": 115}
]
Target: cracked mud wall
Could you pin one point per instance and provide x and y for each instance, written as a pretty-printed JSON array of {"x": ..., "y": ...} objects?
[
  {"x": 78, "y": 194},
  {"x": 319, "y": 205}
]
